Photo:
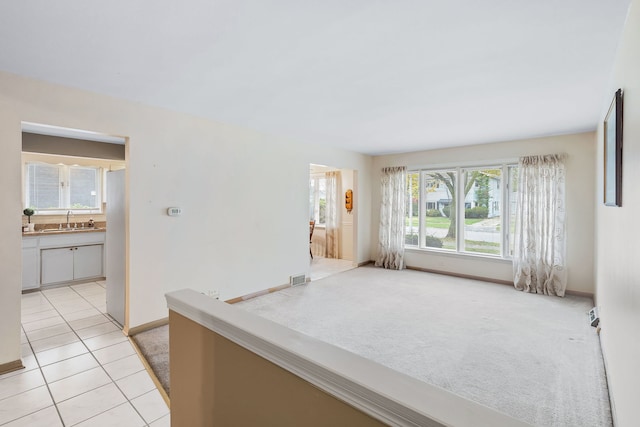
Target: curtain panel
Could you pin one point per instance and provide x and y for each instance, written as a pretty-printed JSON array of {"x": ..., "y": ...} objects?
[
  {"x": 540, "y": 238},
  {"x": 332, "y": 218},
  {"x": 392, "y": 218}
]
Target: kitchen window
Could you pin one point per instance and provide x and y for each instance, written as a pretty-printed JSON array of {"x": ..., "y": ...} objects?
[
  {"x": 467, "y": 210},
  {"x": 53, "y": 188}
]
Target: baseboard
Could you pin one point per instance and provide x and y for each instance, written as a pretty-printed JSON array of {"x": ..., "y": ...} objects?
[
  {"x": 258, "y": 294},
  {"x": 60, "y": 285},
  {"x": 146, "y": 326},
  {"x": 426, "y": 270},
  {"x": 579, "y": 293},
  {"x": 612, "y": 402},
  {"x": 275, "y": 289},
  {"x": 5, "y": 368},
  {"x": 463, "y": 276},
  {"x": 152, "y": 374},
  {"x": 490, "y": 280}
]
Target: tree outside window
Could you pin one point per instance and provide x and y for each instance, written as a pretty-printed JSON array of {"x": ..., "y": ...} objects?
[{"x": 436, "y": 195}]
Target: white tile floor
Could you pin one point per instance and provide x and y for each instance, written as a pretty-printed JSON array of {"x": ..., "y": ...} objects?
[
  {"x": 325, "y": 267},
  {"x": 80, "y": 370}
]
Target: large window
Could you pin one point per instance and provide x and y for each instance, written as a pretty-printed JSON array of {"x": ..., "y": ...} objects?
[
  {"x": 50, "y": 188},
  {"x": 461, "y": 209},
  {"x": 318, "y": 199}
]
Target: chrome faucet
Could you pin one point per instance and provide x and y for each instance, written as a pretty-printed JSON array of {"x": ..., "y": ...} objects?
[{"x": 69, "y": 213}]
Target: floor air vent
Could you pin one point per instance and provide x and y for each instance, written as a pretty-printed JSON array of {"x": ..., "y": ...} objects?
[{"x": 297, "y": 280}]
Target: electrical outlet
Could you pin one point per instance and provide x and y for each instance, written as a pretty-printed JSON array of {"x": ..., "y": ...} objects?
[{"x": 594, "y": 318}]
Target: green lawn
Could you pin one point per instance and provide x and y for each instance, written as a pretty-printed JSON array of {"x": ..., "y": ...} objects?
[
  {"x": 473, "y": 246},
  {"x": 470, "y": 246},
  {"x": 440, "y": 222}
]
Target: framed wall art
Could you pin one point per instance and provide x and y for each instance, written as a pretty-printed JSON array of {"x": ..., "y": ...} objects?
[{"x": 613, "y": 152}]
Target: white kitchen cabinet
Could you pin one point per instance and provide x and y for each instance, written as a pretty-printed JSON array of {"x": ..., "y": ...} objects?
[
  {"x": 30, "y": 267},
  {"x": 56, "y": 265},
  {"x": 72, "y": 263},
  {"x": 87, "y": 262},
  {"x": 52, "y": 258}
]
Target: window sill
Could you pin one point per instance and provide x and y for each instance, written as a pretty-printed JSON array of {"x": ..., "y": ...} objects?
[
  {"x": 63, "y": 212},
  {"x": 459, "y": 254}
]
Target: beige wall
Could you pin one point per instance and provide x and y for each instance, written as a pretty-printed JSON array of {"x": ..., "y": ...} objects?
[
  {"x": 244, "y": 196},
  {"x": 580, "y": 187},
  {"x": 618, "y": 237}
]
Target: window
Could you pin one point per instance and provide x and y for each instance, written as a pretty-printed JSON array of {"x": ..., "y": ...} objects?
[
  {"x": 317, "y": 199},
  {"x": 482, "y": 223},
  {"x": 51, "y": 188},
  {"x": 461, "y": 209},
  {"x": 438, "y": 224}
]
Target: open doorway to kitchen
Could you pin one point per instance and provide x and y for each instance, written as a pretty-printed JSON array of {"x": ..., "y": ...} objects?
[
  {"x": 68, "y": 189},
  {"x": 332, "y": 220}
]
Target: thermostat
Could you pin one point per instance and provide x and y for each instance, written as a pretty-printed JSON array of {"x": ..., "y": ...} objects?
[{"x": 174, "y": 211}]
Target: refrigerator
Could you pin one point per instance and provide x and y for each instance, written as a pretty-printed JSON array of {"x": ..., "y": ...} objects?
[{"x": 116, "y": 245}]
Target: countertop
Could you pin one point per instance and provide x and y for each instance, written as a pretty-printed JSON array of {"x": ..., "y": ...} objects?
[{"x": 51, "y": 231}]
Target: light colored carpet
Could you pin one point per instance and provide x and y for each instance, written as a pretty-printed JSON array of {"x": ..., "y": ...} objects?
[
  {"x": 154, "y": 346},
  {"x": 533, "y": 357}
]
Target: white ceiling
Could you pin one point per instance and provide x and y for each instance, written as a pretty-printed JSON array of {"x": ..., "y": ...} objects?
[{"x": 365, "y": 75}]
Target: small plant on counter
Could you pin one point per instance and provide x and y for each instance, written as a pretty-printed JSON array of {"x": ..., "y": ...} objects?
[{"x": 28, "y": 212}]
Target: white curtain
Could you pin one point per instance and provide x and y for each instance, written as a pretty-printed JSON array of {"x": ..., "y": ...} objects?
[
  {"x": 539, "y": 251},
  {"x": 332, "y": 218},
  {"x": 392, "y": 218}
]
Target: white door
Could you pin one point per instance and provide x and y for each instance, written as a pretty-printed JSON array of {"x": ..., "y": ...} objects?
[
  {"x": 56, "y": 265},
  {"x": 87, "y": 262}
]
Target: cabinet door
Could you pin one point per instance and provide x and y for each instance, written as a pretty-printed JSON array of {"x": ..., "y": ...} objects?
[
  {"x": 87, "y": 262},
  {"x": 56, "y": 265},
  {"x": 30, "y": 277}
]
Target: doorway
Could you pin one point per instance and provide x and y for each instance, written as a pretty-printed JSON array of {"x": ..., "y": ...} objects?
[
  {"x": 65, "y": 182},
  {"x": 332, "y": 242}
]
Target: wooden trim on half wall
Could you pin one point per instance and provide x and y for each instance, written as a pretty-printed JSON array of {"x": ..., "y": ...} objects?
[
  {"x": 5, "y": 368},
  {"x": 147, "y": 326}
]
